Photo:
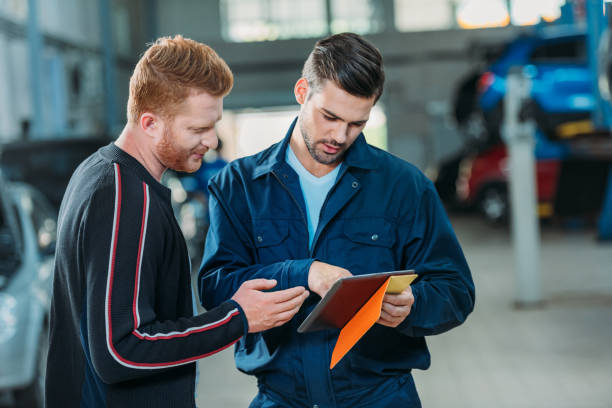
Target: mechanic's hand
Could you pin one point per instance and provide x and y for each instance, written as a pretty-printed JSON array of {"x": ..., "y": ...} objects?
[
  {"x": 322, "y": 276},
  {"x": 395, "y": 308},
  {"x": 265, "y": 310}
]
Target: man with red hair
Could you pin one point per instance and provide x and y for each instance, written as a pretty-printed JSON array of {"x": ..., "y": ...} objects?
[{"x": 123, "y": 330}]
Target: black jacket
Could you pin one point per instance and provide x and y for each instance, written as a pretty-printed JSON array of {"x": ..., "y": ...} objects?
[{"x": 123, "y": 330}]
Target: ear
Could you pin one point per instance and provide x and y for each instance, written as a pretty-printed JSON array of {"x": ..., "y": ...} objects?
[
  {"x": 300, "y": 90},
  {"x": 151, "y": 124}
]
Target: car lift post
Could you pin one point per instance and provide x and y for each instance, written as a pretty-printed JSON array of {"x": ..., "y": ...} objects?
[
  {"x": 598, "y": 42},
  {"x": 518, "y": 132}
]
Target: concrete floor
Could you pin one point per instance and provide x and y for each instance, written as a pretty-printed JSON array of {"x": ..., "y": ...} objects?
[{"x": 559, "y": 355}]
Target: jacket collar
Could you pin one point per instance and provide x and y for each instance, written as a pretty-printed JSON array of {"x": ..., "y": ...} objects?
[{"x": 359, "y": 155}]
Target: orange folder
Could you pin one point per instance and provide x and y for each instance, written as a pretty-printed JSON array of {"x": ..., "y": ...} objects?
[
  {"x": 359, "y": 325},
  {"x": 354, "y": 318}
]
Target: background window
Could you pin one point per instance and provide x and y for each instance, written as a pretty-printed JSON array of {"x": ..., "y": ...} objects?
[
  {"x": 527, "y": 12},
  {"x": 263, "y": 20},
  {"x": 482, "y": 13},
  {"x": 358, "y": 16},
  {"x": 15, "y": 10},
  {"x": 417, "y": 15}
]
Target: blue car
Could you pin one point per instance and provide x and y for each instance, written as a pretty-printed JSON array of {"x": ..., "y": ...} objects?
[{"x": 555, "y": 58}]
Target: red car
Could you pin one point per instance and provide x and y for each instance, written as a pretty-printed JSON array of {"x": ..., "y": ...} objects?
[{"x": 483, "y": 182}]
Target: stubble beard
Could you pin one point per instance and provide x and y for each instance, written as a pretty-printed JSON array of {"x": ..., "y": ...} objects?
[
  {"x": 174, "y": 157},
  {"x": 319, "y": 155}
]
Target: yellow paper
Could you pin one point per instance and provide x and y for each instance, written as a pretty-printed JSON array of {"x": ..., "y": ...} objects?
[{"x": 400, "y": 282}]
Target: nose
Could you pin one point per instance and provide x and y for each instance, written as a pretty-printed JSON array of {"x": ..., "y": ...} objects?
[
  {"x": 341, "y": 133},
  {"x": 210, "y": 139}
]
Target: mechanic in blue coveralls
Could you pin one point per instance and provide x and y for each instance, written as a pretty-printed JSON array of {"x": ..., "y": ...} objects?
[{"x": 323, "y": 204}]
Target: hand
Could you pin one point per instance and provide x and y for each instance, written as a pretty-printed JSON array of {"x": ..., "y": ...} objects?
[
  {"x": 265, "y": 310},
  {"x": 395, "y": 308},
  {"x": 322, "y": 276}
]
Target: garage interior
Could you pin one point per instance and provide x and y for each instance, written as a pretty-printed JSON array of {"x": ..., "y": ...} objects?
[{"x": 540, "y": 334}]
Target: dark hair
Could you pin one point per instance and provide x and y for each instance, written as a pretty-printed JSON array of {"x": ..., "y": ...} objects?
[{"x": 350, "y": 61}]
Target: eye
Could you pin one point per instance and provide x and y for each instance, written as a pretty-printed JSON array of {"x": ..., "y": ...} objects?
[{"x": 330, "y": 118}]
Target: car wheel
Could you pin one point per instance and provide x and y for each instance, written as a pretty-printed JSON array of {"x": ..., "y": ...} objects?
[
  {"x": 33, "y": 395},
  {"x": 494, "y": 204}
]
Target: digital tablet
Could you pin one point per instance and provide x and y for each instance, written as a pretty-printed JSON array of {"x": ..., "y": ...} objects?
[{"x": 346, "y": 297}]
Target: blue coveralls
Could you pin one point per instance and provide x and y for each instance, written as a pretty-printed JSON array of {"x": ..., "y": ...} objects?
[{"x": 382, "y": 214}]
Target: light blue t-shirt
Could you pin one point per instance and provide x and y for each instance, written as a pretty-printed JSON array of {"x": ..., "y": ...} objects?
[{"x": 314, "y": 190}]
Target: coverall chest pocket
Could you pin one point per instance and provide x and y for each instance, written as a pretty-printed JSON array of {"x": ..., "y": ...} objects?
[
  {"x": 269, "y": 237},
  {"x": 365, "y": 246}
]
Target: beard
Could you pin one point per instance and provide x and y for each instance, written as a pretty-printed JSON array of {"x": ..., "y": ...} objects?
[
  {"x": 320, "y": 155},
  {"x": 176, "y": 157}
]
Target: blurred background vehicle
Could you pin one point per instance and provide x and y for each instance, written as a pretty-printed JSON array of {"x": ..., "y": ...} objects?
[
  {"x": 563, "y": 99},
  {"x": 27, "y": 244},
  {"x": 555, "y": 59},
  {"x": 483, "y": 182}
]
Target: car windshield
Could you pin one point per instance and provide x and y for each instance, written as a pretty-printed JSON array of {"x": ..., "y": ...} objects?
[{"x": 570, "y": 50}]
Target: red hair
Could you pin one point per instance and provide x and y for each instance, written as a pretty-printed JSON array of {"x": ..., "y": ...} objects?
[{"x": 171, "y": 69}]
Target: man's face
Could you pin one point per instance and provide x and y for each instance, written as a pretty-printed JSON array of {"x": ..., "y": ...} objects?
[
  {"x": 330, "y": 121},
  {"x": 190, "y": 133}
]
